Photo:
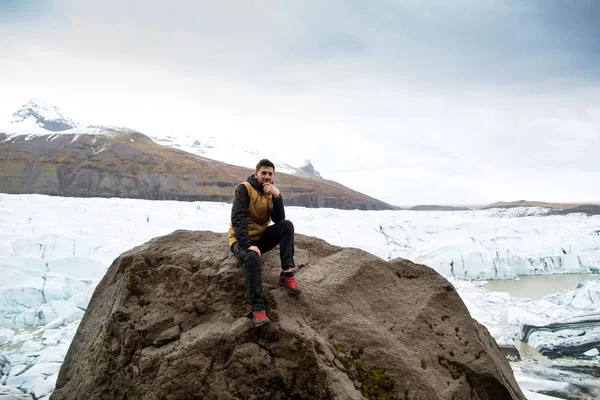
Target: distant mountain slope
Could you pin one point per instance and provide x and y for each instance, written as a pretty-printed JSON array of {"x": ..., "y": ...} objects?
[
  {"x": 526, "y": 203},
  {"x": 229, "y": 152},
  {"x": 434, "y": 207},
  {"x": 589, "y": 209},
  {"x": 116, "y": 162}
]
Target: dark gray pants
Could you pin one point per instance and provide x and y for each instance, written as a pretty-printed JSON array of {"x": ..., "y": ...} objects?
[{"x": 280, "y": 233}]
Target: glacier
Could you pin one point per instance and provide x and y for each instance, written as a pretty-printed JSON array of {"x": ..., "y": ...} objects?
[{"x": 53, "y": 252}]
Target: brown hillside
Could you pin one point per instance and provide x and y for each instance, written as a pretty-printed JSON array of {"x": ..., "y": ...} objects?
[
  {"x": 131, "y": 165},
  {"x": 526, "y": 203}
]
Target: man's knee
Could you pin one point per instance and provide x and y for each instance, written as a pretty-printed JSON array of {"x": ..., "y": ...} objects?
[
  {"x": 251, "y": 258},
  {"x": 286, "y": 225}
]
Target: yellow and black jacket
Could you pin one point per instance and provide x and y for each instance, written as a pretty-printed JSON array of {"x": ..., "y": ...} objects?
[{"x": 252, "y": 212}]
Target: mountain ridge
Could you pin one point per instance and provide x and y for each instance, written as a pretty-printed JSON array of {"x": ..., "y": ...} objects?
[
  {"x": 561, "y": 208},
  {"x": 229, "y": 152},
  {"x": 36, "y": 117},
  {"x": 131, "y": 165},
  {"x": 104, "y": 161}
]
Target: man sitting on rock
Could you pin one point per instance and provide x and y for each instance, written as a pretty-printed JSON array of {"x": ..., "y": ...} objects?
[{"x": 257, "y": 201}]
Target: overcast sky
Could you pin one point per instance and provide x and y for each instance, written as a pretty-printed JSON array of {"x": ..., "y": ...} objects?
[{"x": 411, "y": 102}]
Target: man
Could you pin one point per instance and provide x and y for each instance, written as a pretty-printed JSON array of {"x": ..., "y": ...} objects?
[{"x": 257, "y": 201}]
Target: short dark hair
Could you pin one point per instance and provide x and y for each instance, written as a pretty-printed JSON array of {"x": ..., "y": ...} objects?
[{"x": 264, "y": 163}]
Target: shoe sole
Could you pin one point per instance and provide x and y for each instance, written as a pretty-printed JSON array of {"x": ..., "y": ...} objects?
[
  {"x": 261, "y": 322},
  {"x": 290, "y": 291}
]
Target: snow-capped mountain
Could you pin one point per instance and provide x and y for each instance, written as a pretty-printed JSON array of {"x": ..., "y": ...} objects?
[
  {"x": 103, "y": 161},
  {"x": 37, "y": 118},
  {"x": 225, "y": 150},
  {"x": 43, "y": 115}
]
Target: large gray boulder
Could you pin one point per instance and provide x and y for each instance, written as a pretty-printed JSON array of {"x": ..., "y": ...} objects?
[{"x": 169, "y": 320}]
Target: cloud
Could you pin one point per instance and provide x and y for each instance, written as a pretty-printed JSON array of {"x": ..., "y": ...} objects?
[
  {"x": 442, "y": 102},
  {"x": 468, "y": 42}
]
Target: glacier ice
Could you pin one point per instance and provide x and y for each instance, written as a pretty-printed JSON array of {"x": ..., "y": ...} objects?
[{"x": 51, "y": 262}]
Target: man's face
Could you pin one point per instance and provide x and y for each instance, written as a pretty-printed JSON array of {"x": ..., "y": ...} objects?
[{"x": 265, "y": 175}]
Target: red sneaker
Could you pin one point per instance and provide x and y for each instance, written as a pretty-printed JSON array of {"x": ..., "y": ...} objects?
[
  {"x": 260, "y": 318},
  {"x": 287, "y": 280}
]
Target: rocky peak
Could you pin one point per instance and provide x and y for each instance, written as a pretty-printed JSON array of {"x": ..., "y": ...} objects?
[
  {"x": 309, "y": 169},
  {"x": 44, "y": 115}
]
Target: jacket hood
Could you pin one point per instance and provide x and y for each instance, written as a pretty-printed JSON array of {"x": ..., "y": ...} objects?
[{"x": 255, "y": 183}]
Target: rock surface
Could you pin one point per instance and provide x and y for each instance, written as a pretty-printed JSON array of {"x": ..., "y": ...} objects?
[{"x": 169, "y": 320}]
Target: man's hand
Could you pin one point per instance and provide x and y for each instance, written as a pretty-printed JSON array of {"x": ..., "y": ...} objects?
[
  {"x": 254, "y": 249},
  {"x": 269, "y": 188}
]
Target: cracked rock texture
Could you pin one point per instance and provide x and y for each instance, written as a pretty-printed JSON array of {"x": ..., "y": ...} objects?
[{"x": 169, "y": 320}]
